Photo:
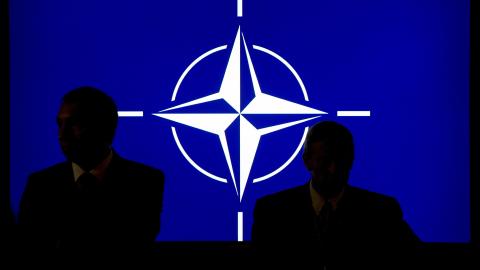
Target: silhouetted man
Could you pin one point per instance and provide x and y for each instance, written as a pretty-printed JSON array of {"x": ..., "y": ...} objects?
[
  {"x": 96, "y": 200},
  {"x": 326, "y": 215}
]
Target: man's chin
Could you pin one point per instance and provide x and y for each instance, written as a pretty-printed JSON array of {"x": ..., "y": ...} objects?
[
  {"x": 70, "y": 155},
  {"x": 330, "y": 190}
]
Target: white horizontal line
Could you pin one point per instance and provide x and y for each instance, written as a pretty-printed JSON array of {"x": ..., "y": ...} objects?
[
  {"x": 353, "y": 113},
  {"x": 130, "y": 113}
]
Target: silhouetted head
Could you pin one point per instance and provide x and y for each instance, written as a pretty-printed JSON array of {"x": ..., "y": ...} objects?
[
  {"x": 86, "y": 126},
  {"x": 328, "y": 155}
]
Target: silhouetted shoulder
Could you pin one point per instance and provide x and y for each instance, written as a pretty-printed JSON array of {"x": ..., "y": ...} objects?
[
  {"x": 360, "y": 193},
  {"x": 50, "y": 176},
  {"x": 286, "y": 198},
  {"x": 53, "y": 170},
  {"x": 135, "y": 173},
  {"x": 376, "y": 203},
  {"x": 138, "y": 168}
]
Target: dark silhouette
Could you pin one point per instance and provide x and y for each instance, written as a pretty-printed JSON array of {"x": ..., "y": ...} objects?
[
  {"x": 326, "y": 214},
  {"x": 96, "y": 200}
]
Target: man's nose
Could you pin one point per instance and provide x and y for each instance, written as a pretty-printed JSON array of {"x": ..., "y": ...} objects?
[{"x": 332, "y": 168}]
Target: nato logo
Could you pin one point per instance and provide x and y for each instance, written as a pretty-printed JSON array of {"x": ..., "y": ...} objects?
[{"x": 231, "y": 92}]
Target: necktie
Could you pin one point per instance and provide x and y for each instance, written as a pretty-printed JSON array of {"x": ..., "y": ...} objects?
[
  {"x": 323, "y": 221},
  {"x": 87, "y": 199},
  {"x": 87, "y": 183}
]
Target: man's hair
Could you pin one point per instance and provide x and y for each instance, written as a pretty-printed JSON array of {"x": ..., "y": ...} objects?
[
  {"x": 97, "y": 109},
  {"x": 336, "y": 138}
]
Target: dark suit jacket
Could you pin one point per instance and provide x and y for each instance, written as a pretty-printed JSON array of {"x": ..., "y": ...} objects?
[
  {"x": 124, "y": 215},
  {"x": 363, "y": 221}
]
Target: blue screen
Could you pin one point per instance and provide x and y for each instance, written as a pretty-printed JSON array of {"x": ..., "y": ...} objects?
[{"x": 227, "y": 89}]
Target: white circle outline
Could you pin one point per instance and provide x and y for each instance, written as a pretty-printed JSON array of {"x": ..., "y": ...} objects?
[{"x": 190, "y": 160}]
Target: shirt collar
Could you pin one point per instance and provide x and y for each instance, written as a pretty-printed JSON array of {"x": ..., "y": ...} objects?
[
  {"x": 318, "y": 201},
  {"x": 99, "y": 171}
]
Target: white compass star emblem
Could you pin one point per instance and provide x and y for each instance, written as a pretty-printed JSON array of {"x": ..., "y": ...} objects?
[{"x": 230, "y": 92}]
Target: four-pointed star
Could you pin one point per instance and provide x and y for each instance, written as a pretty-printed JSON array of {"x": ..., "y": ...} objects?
[{"x": 217, "y": 123}]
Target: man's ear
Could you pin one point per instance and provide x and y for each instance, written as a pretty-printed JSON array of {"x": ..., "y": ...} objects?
[{"x": 308, "y": 162}]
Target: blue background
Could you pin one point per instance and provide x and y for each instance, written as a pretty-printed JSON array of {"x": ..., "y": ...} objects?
[{"x": 407, "y": 61}]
